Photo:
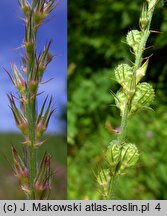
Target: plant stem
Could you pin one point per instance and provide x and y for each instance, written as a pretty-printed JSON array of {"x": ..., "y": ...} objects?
[
  {"x": 32, "y": 151},
  {"x": 31, "y": 117},
  {"x": 138, "y": 46},
  {"x": 142, "y": 44},
  {"x": 138, "y": 62}
]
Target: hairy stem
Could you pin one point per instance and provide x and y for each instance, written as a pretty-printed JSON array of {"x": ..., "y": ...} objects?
[
  {"x": 142, "y": 44},
  {"x": 32, "y": 151},
  {"x": 31, "y": 117}
]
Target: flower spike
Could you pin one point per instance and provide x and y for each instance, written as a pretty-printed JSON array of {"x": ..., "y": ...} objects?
[{"x": 130, "y": 98}]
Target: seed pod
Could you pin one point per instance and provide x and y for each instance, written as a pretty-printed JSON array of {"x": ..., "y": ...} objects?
[
  {"x": 144, "y": 96},
  {"x": 123, "y": 73},
  {"x": 104, "y": 177},
  {"x": 140, "y": 73},
  {"x": 124, "y": 76},
  {"x": 121, "y": 157},
  {"x": 133, "y": 38},
  {"x": 121, "y": 100},
  {"x": 112, "y": 154},
  {"x": 129, "y": 155}
]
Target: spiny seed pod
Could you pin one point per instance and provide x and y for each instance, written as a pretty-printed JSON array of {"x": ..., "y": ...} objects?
[
  {"x": 129, "y": 155},
  {"x": 121, "y": 100},
  {"x": 103, "y": 177},
  {"x": 112, "y": 154},
  {"x": 133, "y": 38},
  {"x": 140, "y": 73},
  {"x": 143, "y": 97},
  {"x": 120, "y": 157},
  {"x": 123, "y": 73},
  {"x": 126, "y": 78}
]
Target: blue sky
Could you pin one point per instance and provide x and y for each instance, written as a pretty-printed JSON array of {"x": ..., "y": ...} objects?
[{"x": 11, "y": 37}]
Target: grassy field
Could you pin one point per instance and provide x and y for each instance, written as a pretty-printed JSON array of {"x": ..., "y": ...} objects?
[{"x": 55, "y": 145}]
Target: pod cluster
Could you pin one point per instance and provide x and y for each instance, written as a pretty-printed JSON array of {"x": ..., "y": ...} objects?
[
  {"x": 136, "y": 95},
  {"x": 117, "y": 159}
]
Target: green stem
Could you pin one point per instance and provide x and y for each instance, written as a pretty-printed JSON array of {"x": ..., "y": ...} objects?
[
  {"x": 138, "y": 62},
  {"x": 112, "y": 188},
  {"x": 32, "y": 150},
  {"x": 31, "y": 117},
  {"x": 142, "y": 44}
]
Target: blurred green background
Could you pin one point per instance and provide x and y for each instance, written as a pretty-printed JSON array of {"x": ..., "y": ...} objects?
[
  {"x": 55, "y": 145},
  {"x": 96, "y": 36}
]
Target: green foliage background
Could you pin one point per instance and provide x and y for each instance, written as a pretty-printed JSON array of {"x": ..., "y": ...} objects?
[{"x": 96, "y": 33}]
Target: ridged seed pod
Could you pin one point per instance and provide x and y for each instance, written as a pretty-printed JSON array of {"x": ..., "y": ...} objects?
[
  {"x": 133, "y": 38},
  {"x": 125, "y": 76},
  {"x": 144, "y": 96},
  {"x": 130, "y": 155},
  {"x": 120, "y": 157},
  {"x": 104, "y": 177},
  {"x": 112, "y": 154}
]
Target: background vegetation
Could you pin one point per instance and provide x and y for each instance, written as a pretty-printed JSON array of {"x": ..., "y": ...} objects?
[{"x": 96, "y": 34}]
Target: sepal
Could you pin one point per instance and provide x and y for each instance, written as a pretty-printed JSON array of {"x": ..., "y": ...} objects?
[
  {"x": 141, "y": 72},
  {"x": 144, "y": 96}
]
